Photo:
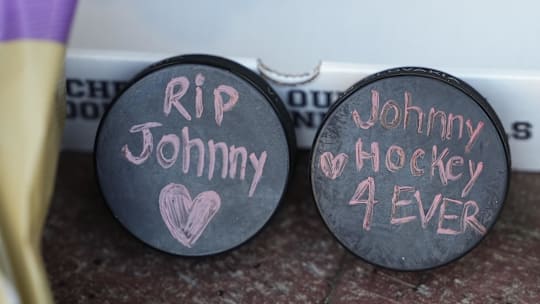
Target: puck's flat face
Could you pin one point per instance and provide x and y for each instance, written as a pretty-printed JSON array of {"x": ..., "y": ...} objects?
[
  {"x": 192, "y": 159},
  {"x": 409, "y": 172}
]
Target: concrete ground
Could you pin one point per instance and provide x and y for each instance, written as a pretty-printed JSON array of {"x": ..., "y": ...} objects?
[{"x": 91, "y": 258}]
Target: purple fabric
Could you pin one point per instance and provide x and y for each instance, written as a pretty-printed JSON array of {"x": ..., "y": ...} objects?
[{"x": 36, "y": 19}]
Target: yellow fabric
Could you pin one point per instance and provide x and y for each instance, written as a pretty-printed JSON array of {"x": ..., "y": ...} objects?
[{"x": 31, "y": 121}]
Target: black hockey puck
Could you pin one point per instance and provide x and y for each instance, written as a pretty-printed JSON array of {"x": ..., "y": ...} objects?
[
  {"x": 194, "y": 156},
  {"x": 410, "y": 168}
]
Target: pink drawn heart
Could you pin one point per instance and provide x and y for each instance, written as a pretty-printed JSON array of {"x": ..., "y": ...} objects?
[
  {"x": 332, "y": 166},
  {"x": 187, "y": 218}
]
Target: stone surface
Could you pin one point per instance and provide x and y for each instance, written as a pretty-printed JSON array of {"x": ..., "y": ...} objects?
[{"x": 90, "y": 258}]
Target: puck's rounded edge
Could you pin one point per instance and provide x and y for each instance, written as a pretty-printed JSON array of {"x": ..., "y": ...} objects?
[
  {"x": 245, "y": 74},
  {"x": 427, "y": 73}
]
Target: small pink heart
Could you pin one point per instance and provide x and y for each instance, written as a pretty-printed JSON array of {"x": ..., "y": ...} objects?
[
  {"x": 187, "y": 218},
  {"x": 332, "y": 166}
]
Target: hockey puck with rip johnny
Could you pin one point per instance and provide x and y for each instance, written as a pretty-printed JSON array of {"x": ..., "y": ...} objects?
[
  {"x": 410, "y": 168},
  {"x": 194, "y": 156}
]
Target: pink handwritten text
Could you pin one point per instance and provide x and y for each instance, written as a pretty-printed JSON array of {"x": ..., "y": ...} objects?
[
  {"x": 235, "y": 161},
  {"x": 391, "y": 116},
  {"x": 443, "y": 164},
  {"x": 178, "y": 87}
]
